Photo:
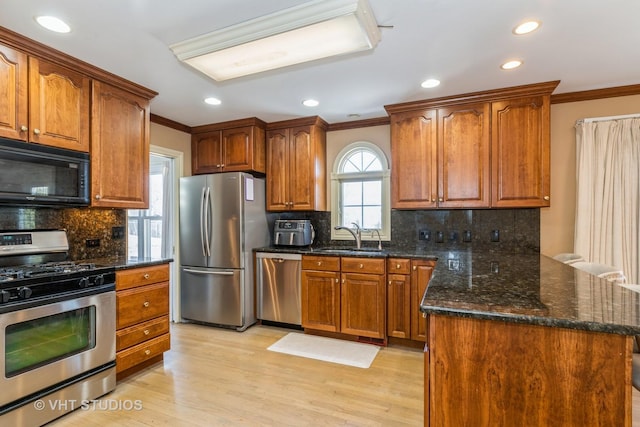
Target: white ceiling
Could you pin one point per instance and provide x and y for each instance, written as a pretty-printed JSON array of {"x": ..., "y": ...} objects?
[{"x": 586, "y": 44}]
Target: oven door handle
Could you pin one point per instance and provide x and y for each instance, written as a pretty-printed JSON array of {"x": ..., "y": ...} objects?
[{"x": 216, "y": 273}]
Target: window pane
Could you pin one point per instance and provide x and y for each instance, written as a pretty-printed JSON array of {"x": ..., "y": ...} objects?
[
  {"x": 370, "y": 162},
  {"x": 372, "y": 193},
  {"x": 350, "y": 166},
  {"x": 351, "y": 214},
  {"x": 351, "y": 193},
  {"x": 372, "y": 216}
]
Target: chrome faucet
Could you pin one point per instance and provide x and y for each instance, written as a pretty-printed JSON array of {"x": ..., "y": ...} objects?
[
  {"x": 356, "y": 234},
  {"x": 375, "y": 230}
]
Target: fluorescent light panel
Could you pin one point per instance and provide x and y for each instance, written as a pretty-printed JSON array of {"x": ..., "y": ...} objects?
[{"x": 314, "y": 30}]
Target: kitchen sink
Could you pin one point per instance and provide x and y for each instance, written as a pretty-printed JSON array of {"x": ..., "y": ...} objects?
[{"x": 350, "y": 251}]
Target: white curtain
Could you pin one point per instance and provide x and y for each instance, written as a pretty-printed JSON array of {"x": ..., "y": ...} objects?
[{"x": 608, "y": 193}]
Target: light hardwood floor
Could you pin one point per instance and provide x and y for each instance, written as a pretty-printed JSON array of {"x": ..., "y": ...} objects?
[
  {"x": 218, "y": 377},
  {"x": 214, "y": 376}
]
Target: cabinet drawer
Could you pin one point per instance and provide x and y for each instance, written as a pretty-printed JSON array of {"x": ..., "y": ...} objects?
[
  {"x": 137, "y": 354},
  {"x": 126, "y": 279},
  {"x": 398, "y": 266},
  {"x": 323, "y": 263},
  {"x": 363, "y": 265},
  {"x": 141, "y": 304},
  {"x": 139, "y": 333}
]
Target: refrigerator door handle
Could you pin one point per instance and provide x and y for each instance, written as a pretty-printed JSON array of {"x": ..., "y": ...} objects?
[
  {"x": 216, "y": 273},
  {"x": 202, "y": 202},
  {"x": 207, "y": 220}
]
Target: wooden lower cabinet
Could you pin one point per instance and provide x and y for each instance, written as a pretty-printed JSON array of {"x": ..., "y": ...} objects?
[
  {"x": 142, "y": 321},
  {"x": 407, "y": 280},
  {"x": 345, "y": 295},
  {"x": 494, "y": 373}
]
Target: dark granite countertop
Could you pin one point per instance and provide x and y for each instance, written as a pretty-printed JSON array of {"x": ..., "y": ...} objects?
[
  {"x": 364, "y": 253},
  {"x": 123, "y": 263},
  {"x": 529, "y": 288}
]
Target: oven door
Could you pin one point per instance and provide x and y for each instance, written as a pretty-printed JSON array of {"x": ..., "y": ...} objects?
[{"x": 49, "y": 344}]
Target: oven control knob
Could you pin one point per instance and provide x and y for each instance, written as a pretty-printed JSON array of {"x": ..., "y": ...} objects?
[
  {"x": 99, "y": 280},
  {"x": 83, "y": 282},
  {"x": 24, "y": 292},
  {"x": 5, "y": 296}
]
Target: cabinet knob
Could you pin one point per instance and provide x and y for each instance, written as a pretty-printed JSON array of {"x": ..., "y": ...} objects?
[
  {"x": 146, "y": 332},
  {"x": 398, "y": 266},
  {"x": 319, "y": 263},
  {"x": 336, "y": 280},
  {"x": 218, "y": 165},
  {"x": 146, "y": 275},
  {"x": 343, "y": 281},
  {"x": 360, "y": 266},
  {"x": 147, "y": 352},
  {"x": 23, "y": 128},
  {"x": 36, "y": 131},
  {"x": 389, "y": 282},
  {"x": 146, "y": 304},
  {"x": 98, "y": 197},
  {"x": 440, "y": 199},
  {"x": 433, "y": 200},
  {"x": 546, "y": 198},
  {"x": 415, "y": 268}
]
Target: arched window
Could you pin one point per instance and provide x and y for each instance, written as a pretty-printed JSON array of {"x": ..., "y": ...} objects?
[{"x": 360, "y": 192}]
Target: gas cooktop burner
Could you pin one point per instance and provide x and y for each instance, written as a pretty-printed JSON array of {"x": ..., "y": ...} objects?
[{"x": 29, "y": 271}]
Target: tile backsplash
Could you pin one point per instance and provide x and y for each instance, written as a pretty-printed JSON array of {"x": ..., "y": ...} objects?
[
  {"x": 511, "y": 230},
  {"x": 82, "y": 224}
]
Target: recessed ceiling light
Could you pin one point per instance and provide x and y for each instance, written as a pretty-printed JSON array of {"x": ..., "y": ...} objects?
[
  {"x": 429, "y": 83},
  {"x": 52, "y": 23},
  {"x": 510, "y": 65},
  {"x": 310, "y": 103},
  {"x": 526, "y": 27},
  {"x": 212, "y": 101}
]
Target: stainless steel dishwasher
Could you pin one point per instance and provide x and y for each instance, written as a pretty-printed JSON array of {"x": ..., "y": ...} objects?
[{"x": 279, "y": 276}]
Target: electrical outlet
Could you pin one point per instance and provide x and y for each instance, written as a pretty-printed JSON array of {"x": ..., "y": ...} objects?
[
  {"x": 453, "y": 236},
  {"x": 454, "y": 264},
  {"x": 495, "y": 235},
  {"x": 117, "y": 232},
  {"x": 424, "y": 235},
  {"x": 92, "y": 243}
]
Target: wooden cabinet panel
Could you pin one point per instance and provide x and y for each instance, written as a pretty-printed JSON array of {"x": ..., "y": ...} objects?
[
  {"x": 142, "y": 352},
  {"x": 59, "y": 110},
  {"x": 363, "y": 311},
  {"x": 296, "y": 162},
  {"x": 463, "y": 149},
  {"x": 322, "y": 263},
  {"x": 141, "y": 304},
  {"x": 421, "y": 272},
  {"x": 399, "y": 265},
  {"x": 14, "y": 80},
  {"x": 138, "y": 333},
  {"x": 399, "y": 305},
  {"x": 521, "y": 152},
  {"x": 363, "y": 265},
  {"x": 126, "y": 279},
  {"x": 119, "y": 148},
  {"x": 414, "y": 160},
  {"x": 206, "y": 152},
  {"x": 321, "y": 300}
]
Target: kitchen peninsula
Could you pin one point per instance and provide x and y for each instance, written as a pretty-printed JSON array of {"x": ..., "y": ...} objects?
[{"x": 521, "y": 339}]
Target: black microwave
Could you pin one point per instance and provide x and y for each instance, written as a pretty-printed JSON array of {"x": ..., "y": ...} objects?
[{"x": 38, "y": 175}]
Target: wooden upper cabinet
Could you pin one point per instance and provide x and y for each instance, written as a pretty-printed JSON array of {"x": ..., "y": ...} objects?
[
  {"x": 421, "y": 272},
  {"x": 237, "y": 146},
  {"x": 414, "y": 160},
  {"x": 296, "y": 162},
  {"x": 42, "y": 102},
  {"x": 59, "y": 101},
  {"x": 520, "y": 146},
  {"x": 14, "y": 81},
  {"x": 463, "y": 151},
  {"x": 485, "y": 149},
  {"x": 119, "y": 148}
]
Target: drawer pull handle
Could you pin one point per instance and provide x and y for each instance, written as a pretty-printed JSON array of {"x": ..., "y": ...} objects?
[
  {"x": 319, "y": 262},
  {"x": 146, "y": 332},
  {"x": 146, "y": 304},
  {"x": 147, "y": 352},
  {"x": 398, "y": 266},
  {"x": 146, "y": 275},
  {"x": 360, "y": 266}
]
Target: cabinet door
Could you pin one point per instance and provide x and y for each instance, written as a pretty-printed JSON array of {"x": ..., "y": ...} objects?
[
  {"x": 398, "y": 305},
  {"x": 520, "y": 152},
  {"x": 237, "y": 154},
  {"x": 463, "y": 151},
  {"x": 58, "y": 106},
  {"x": 302, "y": 170},
  {"x": 206, "y": 152},
  {"x": 421, "y": 272},
  {"x": 13, "y": 93},
  {"x": 414, "y": 160},
  {"x": 363, "y": 305},
  {"x": 321, "y": 300},
  {"x": 119, "y": 148},
  {"x": 277, "y": 169}
]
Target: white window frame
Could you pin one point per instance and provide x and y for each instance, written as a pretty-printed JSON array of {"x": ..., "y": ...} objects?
[{"x": 336, "y": 177}]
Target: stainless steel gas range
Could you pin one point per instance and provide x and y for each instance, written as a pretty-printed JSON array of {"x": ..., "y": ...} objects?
[{"x": 57, "y": 328}]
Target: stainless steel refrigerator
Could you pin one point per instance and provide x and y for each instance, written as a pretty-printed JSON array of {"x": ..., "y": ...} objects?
[{"x": 222, "y": 218}]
